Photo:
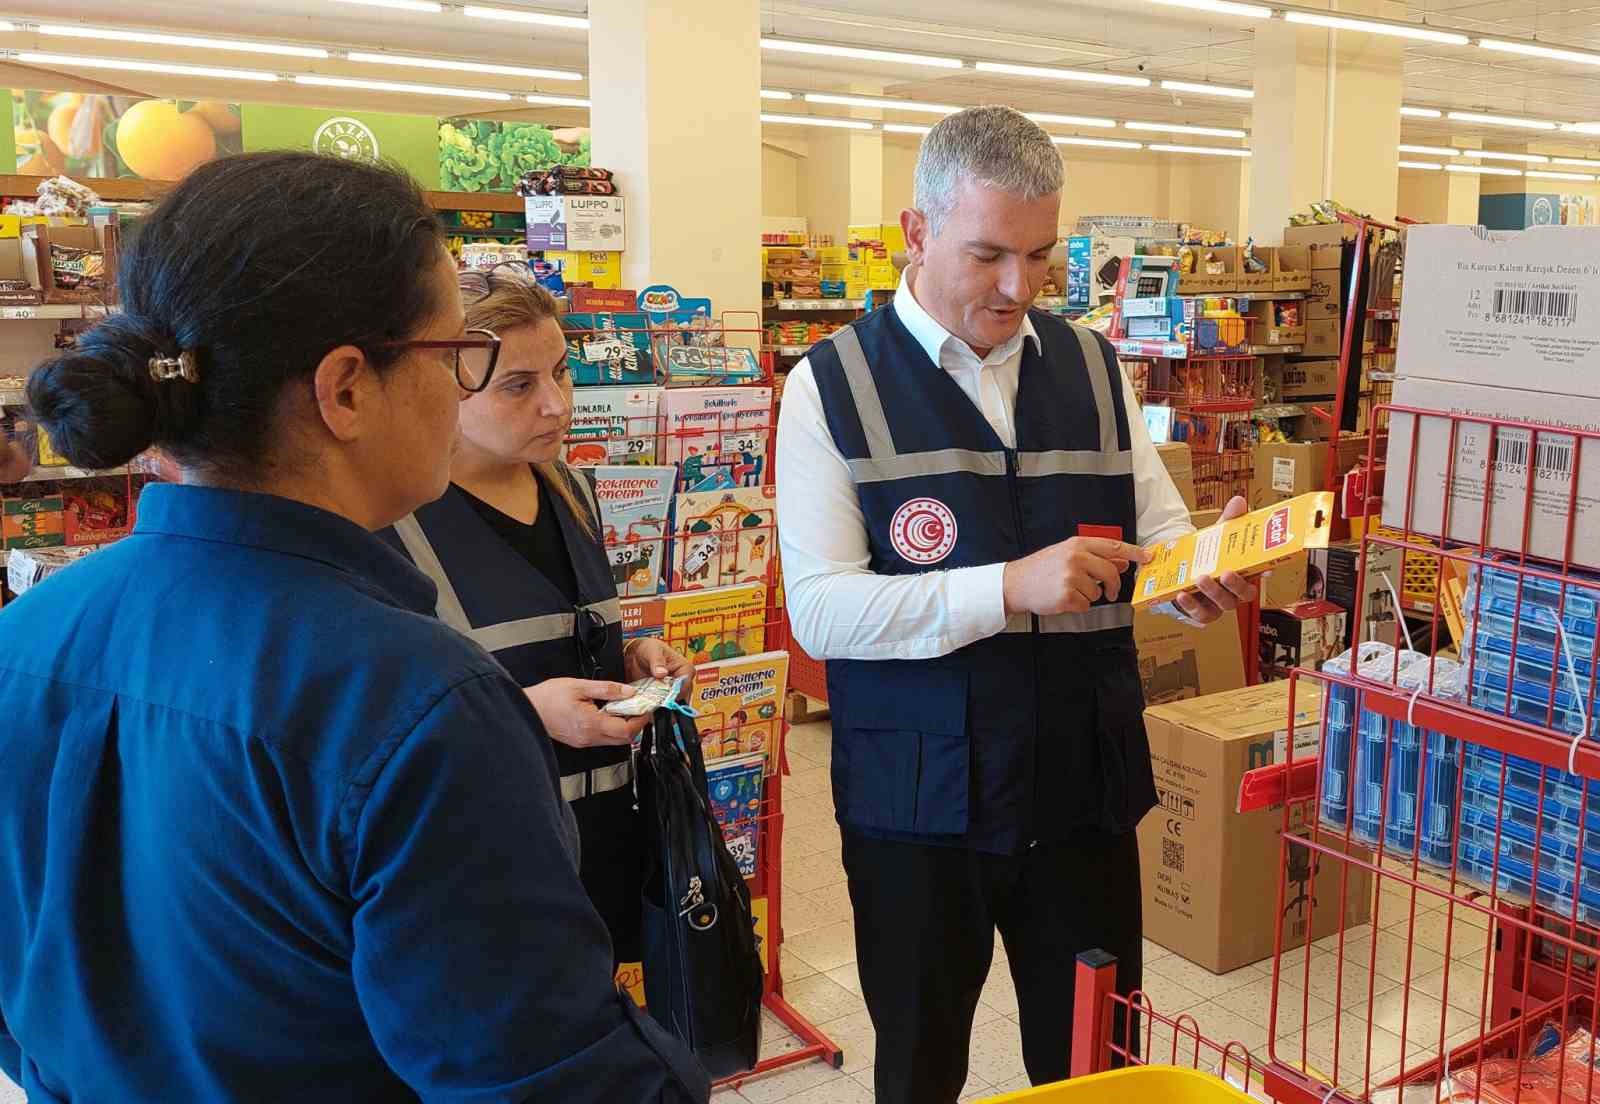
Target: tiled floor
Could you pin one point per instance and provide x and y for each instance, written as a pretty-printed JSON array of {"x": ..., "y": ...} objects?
[{"x": 1410, "y": 1002}]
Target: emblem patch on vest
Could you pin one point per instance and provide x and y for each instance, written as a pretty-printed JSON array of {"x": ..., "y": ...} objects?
[{"x": 923, "y": 531}]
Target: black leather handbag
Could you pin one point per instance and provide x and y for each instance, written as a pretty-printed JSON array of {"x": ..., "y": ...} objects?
[{"x": 702, "y": 971}]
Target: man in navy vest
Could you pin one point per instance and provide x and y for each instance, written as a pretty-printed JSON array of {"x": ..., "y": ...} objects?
[{"x": 965, "y": 485}]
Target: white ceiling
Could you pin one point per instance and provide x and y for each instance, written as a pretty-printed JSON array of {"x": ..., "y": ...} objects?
[{"x": 1125, "y": 36}]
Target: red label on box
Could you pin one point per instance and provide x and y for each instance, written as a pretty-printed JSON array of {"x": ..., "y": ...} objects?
[
  {"x": 1277, "y": 529},
  {"x": 1109, "y": 532},
  {"x": 589, "y": 299}
]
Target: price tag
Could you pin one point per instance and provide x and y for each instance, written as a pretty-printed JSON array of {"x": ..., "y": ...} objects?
[{"x": 598, "y": 352}]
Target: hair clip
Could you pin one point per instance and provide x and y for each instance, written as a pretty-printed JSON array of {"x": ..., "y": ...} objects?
[{"x": 183, "y": 366}]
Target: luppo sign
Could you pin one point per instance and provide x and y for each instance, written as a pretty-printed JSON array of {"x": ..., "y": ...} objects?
[{"x": 593, "y": 223}]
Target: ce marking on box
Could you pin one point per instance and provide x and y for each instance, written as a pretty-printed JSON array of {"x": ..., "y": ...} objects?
[{"x": 1179, "y": 808}]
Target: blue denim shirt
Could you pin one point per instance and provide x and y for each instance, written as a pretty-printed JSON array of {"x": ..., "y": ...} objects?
[{"x": 270, "y": 831}]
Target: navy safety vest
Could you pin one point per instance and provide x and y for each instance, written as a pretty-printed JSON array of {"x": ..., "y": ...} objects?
[
  {"x": 1039, "y": 730},
  {"x": 490, "y": 593}
]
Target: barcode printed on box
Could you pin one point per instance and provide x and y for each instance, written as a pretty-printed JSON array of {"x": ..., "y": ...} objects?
[
  {"x": 1172, "y": 855},
  {"x": 1554, "y": 457},
  {"x": 1523, "y": 305}
]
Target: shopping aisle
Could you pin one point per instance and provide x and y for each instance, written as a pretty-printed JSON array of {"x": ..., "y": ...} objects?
[{"x": 820, "y": 976}]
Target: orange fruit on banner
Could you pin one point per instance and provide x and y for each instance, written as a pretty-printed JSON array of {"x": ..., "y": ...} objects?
[{"x": 160, "y": 143}]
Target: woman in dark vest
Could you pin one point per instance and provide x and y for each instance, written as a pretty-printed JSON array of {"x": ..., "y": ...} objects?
[{"x": 514, "y": 546}]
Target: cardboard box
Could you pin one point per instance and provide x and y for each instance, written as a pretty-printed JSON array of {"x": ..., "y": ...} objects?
[
  {"x": 1334, "y": 574},
  {"x": 1323, "y": 337},
  {"x": 98, "y": 234},
  {"x": 1267, "y": 331},
  {"x": 1291, "y": 268},
  {"x": 1546, "y": 531},
  {"x": 32, "y": 522},
  {"x": 1225, "y": 258},
  {"x": 1331, "y": 234},
  {"x": 1249, "y": 545},
  {"x": 1204, "y": 519},
  {"x": 1285, "y": 585},
  {"x": 576, "y": 222},
  {"x": 1309, "y": 379},
  {"x": 1178, "y": 661},
  {"x": 1211, "y": 873},
  {"x": 1324, "y": 297},
  {"x": 1256, "y": 283},
  {"x": 1285, "y": 470},
  {"x": 1175, "y": 455},
  {"x": 1305, "y": 634}
]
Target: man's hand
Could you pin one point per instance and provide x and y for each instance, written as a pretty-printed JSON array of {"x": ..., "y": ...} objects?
[
  {"x": 14, "y": 462},
  {"x": 1211, "y": 598},
  {"x": 1069, "y": 577}
]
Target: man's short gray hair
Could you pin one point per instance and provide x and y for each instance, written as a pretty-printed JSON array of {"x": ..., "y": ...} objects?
[{"x": 997, "y": 146}]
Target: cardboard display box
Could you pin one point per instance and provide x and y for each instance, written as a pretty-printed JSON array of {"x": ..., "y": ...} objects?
[
  {"x": 1286, "y": 470},
  {"x": 1500, "y": 325},
  {"x": 1291, "y": 268},
  {"x": 1178, "y": 661},
  {"x": 1323, "y": 298},
  {"x": 1256, "y": 283},
  {"x": 1180, "y": 465},
  {"x": 1211, "y": 873},
  {"x": 1324, "y": 337},
  {"x": 1306, "y": 634},
  {"x": 1225, "y": 258},
  {"x": 1309, "y": 379},
  {"x": 1269, "y": 330}
]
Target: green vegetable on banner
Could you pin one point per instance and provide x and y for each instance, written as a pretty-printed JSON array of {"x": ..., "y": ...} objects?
[{"x": 486, "y": 155}]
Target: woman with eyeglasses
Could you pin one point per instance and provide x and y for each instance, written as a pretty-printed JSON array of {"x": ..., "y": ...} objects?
[
  {"x": 514, "y": 547},
  {"x": 269, "y": 830}
]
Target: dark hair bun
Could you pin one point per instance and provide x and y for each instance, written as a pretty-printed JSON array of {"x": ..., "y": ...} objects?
[{"x": 98, "y": 401}]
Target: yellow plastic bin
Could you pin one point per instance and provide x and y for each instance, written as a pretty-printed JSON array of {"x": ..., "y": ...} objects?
[{"x": 1140, "y": 1085}]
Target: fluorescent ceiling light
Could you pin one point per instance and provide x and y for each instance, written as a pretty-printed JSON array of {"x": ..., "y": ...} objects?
[
  {"x": 1489, "y": 155},
  {"x": 1105, "y": 143},
  {"x": 786, "y": 45},
  {"x": 1582, "y": 162},
  {"x": 1483, "y": 170},
  {"x": 1501, "y": 120},
  {"x": 1427, "y": 166},
  {"x": 464, "y": 66},
  {"x": 132, "y": 66},
  {"x": 557, "y": 101},
  {"x": 1220, "y": 7},
  {"x": 1421, "y": 112},
  {"x": 887, "y": 104},
  {"x": 817, "y": 120},
  {"x": 1209, "y": 89},
  {"x": 399, "y": 5},
  {"x": 7, "y": 26},
  {"x": 905, "y": 128},
  {"x": 1071, "y": 120},
  {"x": 775, "y": 94},
  {"x": 1218, "y": 151},
  {"x": 1534, "y": 50},
  {"x": 1079, "y": 75},
  {"x": 1436, "y": 151},
  {"x": 1371, "y": 26},
  {"x": 1581, "y": 128},
  {"x": 544, "y": 19},
  {"x": 399, "y": 86},
  {"x": 1544, "y": 174},
  {"x": 1174, "y": 128},
  {"x": 196, "y": 41}
]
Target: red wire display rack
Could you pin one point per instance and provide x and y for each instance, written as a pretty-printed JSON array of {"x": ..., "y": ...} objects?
[
  {"x": 1461, "y": 776},
  {"x": 702, "y": 572}
]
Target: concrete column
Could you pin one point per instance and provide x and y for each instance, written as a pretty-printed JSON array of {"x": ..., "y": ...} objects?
[
  {"x": 842, "y": 180},
  {"x": 676, "y": 114},
  {"x": 1326, "y": 120}
]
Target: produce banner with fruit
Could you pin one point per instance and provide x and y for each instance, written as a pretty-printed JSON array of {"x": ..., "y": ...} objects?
[
  {"x": 94, "y": 136},
  {"x": 410, "y": 141}
]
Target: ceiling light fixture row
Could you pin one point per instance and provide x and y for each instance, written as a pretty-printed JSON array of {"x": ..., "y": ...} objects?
[
  {"x": 885, "y": 103},
  {"x": 478, "y": 11},
  {"x": 317, "y": 53},
  {"x": 1058, "y": 139}
]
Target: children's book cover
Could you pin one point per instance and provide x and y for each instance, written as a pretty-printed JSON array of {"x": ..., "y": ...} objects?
[
  {"x": 717, "y": 436},
  {"x": 734, "y": 787},
  {"x": 724, "y": 537},
  {"x": 613, "y": 425},
  {"x": 740, "y": 705},
  {"x": 608, "y": 348},
  {"x": 635, "y": 503},
  {"x": 705, "y": 625}
]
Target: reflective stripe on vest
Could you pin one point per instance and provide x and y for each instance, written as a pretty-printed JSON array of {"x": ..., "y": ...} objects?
[
  {"x": 883, "y": 463},
  {"x": 1118, "y": 615},
  {"x": 598, "y": 781},
  {"x": 506, "y": 634}
]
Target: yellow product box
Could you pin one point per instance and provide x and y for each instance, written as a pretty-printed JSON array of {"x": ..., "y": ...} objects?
[
  {"x": 602, "y": 269},
  {"x": 882, "y": 276},
  {"x": 893, "y": 238},
  {"x": 855, "y": 289},
  {"x": 850, "y": 273},
  {"x": 834, "y": 254},
  {"x": 864, "y": 233},
  {"x": 1249, "y": 545}
]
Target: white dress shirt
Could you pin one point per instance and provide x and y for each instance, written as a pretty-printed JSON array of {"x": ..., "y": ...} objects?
[{"x": 841, "y": 610}]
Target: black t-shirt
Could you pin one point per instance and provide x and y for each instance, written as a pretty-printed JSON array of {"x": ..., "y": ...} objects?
[{"x": 541, "y": 544}]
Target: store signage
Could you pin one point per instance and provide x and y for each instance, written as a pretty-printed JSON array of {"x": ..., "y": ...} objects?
[{"x": 411, "y": 141}]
